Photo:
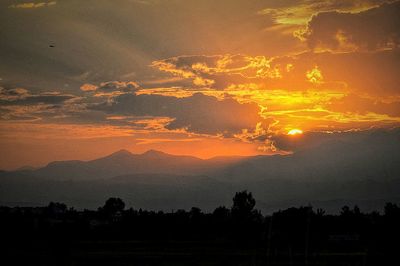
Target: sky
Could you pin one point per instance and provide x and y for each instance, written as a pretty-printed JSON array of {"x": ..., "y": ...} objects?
[{"x": 82, "y": 79}]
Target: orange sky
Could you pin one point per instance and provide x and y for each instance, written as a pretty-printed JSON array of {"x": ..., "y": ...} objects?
[{"x": 191, "y": 77}]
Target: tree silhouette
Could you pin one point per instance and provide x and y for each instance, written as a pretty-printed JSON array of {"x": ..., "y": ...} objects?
[
  {"x": 195, "y": 213},
  {"x": 243, "y": 206},
  {"x": 288, "y": 233},
  {"x": 221, "y": 213},
  {"x": 114, "y": 205},
  {"x": 392, "y": 209},
  {"x": 55, "y": 208},
  {"x": 345, "y": 211}
]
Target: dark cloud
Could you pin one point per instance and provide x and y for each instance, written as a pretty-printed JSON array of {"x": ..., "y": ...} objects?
[
  {"x": 115, "y": 103},
  {"x": 118, "y": 86},
  {"x": 19, "y": 104},
  {"x": 20, "y": 96},
  {"x": 354, "y": 141},
  {"x": 198, "y": 113},
  {"x": 110, "y": 88},
  {"x": 13, "y": 94},
  {"x": 373, "y": 29}
]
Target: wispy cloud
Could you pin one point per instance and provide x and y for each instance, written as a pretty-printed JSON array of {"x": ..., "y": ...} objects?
[
  {"x": 302, "y": 11},
  {"x": 30, "y": 5}
]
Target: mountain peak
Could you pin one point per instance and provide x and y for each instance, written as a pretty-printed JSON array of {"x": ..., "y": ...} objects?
[
  {"x": 121, "y": 152},
  {"x": 154, "y": 153}
]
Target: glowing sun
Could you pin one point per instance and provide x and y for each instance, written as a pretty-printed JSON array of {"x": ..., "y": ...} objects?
[{"x": 295, "y": 132}]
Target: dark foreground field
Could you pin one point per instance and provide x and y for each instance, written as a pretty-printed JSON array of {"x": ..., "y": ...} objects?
[
  {"x": 240, "y": 235},
  {"x": 175, "y": 253}
]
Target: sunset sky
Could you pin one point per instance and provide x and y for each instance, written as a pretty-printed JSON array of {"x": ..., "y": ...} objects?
[{"x": 82, "y": 79}]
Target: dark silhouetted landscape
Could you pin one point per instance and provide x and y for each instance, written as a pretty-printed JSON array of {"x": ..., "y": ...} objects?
[{"x": 235, "y": 235}]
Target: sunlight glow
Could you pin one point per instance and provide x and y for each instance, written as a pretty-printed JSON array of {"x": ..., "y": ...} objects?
[{"x": 295, "y": 132}]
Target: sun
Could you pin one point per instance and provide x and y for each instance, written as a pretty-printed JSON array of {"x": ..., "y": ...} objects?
[{"x": 295, "y": 131}]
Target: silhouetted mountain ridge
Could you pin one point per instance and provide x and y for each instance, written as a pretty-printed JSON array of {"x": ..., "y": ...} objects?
[
  {"x": 357, "y": 167},
  {"x": 124, "y": 162}
]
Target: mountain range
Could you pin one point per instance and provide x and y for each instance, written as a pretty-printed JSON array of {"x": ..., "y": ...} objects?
[
  {"x": 121, "y": 163},
  {"x": 356, "y": 171}
]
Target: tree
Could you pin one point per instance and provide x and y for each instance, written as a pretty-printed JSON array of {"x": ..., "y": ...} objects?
[
  {"x": 243, "y": 206},
  {"x": 356, "y": 210},
  {"x": 392, "y": 210},
  {"x": 195, "y": 213},
  {"x": 114, "y": 205},
  {"x": 345, "y": 211},
  {"x": 221, "y": 213},
  {"x": 55, "y": 208},
  {"x": 320, "y": 212}
]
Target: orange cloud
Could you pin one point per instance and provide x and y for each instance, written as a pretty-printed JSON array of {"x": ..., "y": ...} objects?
[
  {"x": 33, "y": 5},
  {"x": 314, "y": 75},
  {"x": 110, "y": 88},
  {"x": 302, "y": 11},
  {"x": 209, "y": 71},
  {"x": 88, "y": 87}
]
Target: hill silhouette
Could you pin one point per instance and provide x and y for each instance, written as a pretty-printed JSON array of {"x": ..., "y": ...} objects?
[
  {"x": 353, "y": 170},
  {"x": 122, "y": 162}
]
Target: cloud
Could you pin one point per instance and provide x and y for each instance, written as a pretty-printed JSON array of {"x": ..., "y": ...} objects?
[
  {"x": 364, "y": 104},
  {"x": 30, "y": 5},
  {"x": 21, "y": 96},
  {"x": 350, "y": 141},
  {"x": 234, "y": 57},
  {"x": 13, "y": 94},
  {"x": 314, "y": 75},
  {"x": 21, "y": 104},
  {"x": 262, "y": 135},
  {"x": 188, "y": 67},
  {"x": 110, "y": 88},
  {"x": 198, "y": 113},
  {"x": 304, "y": 91},
  {"x": 374, "y": 29},
  {"x": 219, "y": 71},
  {"x": 299, "y": 12},
  {"x": 88, "y": 87},
  {"x": 125, "y": 41},
  {"x": 119, "y": 105},
  {"x": 372, "y": 73},
  {"x": 360, "y": 72}
]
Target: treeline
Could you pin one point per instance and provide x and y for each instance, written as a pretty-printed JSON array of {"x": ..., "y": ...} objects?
[{"x": 301, "y": 229}]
